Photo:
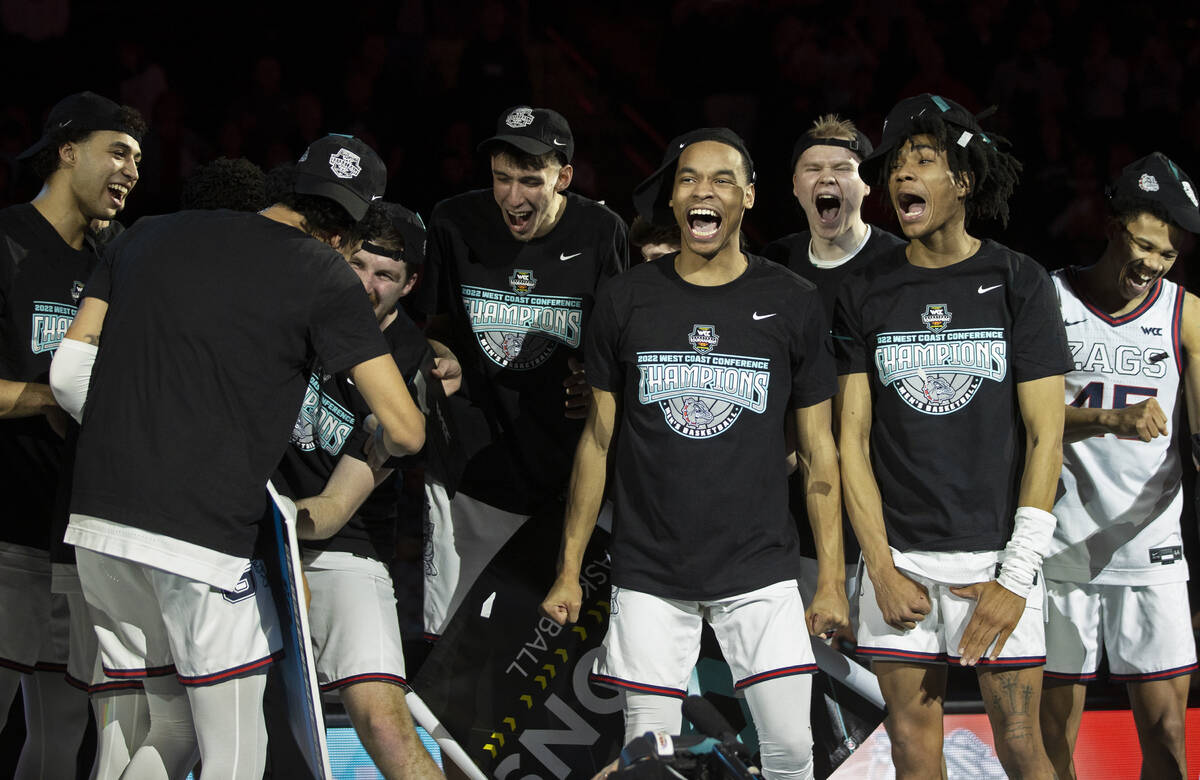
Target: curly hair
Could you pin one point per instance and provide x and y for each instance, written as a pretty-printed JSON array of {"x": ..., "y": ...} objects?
[
  {"x": 1125, "y": 208},
  {"x": 225, "y": 184},
  {"x": 46, "y": 161},
  {"x": 991, "y": 172}
]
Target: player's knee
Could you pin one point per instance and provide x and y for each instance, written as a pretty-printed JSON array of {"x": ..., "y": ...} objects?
[
  {"x": 915, "y": 742},
  {"x": 786, "y": 751},
  {"x": 1165, "y": 732}
]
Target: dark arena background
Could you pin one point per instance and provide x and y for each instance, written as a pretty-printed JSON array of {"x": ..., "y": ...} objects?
[{"x": 1081, "y": 89}]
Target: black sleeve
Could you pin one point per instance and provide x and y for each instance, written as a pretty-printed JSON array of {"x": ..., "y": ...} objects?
[
  {"x": 619, "y": 261},
  {"x": 432, "y": 297},
  {"x": 849, "y": 346},
  {"x": 601, "y": 342},
  {"x": 814, "y": 377},
  {"x": 1039, "y": 338},
  {"x": 99, "y": 284},
  {"x": 342, "y": 327}
]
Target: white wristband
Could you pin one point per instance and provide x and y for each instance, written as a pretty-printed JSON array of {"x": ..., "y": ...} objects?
[
  {"x": 71, "y": 374},
  {"x": 1021, "y": 559}
]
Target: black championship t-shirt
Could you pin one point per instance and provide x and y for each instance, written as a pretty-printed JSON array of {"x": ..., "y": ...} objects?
[
  {"x": 943, "y": 350},
  {"x": 705, "y": 376},
  {"x": 215, "y": 321},
  {"x": 41, "y": 279},
  {"x": 519, "y": 310},
  {"x": 330, "y": 426},
  {"x": 792, "y": 251}
]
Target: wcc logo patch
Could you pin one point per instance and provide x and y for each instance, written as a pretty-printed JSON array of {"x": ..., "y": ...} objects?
[
  {"x": 700, "y": 392},
  {"x": 938, "y": 370},
  {"x": 345, "y": 164},
  {"x": 703, "y": 338},
  {"x": 937, "y": 316},
  {"x": 522, "y": 282},
  {"x": 521, "y": 117},
  {"x": 76, "y": 290}
]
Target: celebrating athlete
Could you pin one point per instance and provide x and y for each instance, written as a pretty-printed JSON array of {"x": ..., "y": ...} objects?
[
  {"x": 698, "y": 359},
  {"x": 947, "y": 348},
  {"x": 1115, "y": 572}
]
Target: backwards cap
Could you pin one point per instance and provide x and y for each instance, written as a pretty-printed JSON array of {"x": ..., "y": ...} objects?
[
  {"x": 1156, "y": 178},
  {"x": 904, "y": 118},
  {"x": 343, "y": 169},
  {"x": 651, "y": 196},
  {"x": 83, "y": 112},
  {"x": 860, "y": 145}
]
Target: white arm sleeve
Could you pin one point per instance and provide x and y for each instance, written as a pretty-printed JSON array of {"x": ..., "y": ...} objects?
[{"x": 70, "y": 375}]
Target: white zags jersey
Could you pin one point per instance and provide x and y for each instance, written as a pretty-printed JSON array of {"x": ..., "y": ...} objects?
[{"x": 1119, "y": 500}]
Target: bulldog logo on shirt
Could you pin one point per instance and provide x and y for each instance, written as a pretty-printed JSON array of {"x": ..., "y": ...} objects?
[
  {"x": 702, "y": 393},
  {"x": 939, "y": 370}
]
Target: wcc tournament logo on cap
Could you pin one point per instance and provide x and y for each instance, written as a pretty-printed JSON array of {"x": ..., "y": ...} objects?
[
  {"x": 345, "y": 170},
  {"x": 533, "y": 131},
  {"x": 521, "y": 117},
  {"x": 1157, "y": 178},
  {"x": 345, "y": 164}
]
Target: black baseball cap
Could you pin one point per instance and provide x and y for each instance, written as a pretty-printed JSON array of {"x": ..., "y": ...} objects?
[
  {"x": 534, "y": 131},
  {"x": 345, "y": 170},
  {"x": 84, "y": 112},
  {"x": 411, "y": 228},
  {"x": 651, "y": 196},
  {"x": 906, "y": 116},
  {"x": 1156, "y": 178},
  {"x": 860, "y": 145}
]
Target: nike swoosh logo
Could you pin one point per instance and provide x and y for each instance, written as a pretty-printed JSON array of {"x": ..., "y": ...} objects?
[
  {"x": 1072, "y": 322},
  {"x": 558, "y": 142},
  {"x": 564, "y": 256},
  {"x": 983, "y": 289},
  {"x": 758, "y": 316},
  {"x": 376, "y": 197}
]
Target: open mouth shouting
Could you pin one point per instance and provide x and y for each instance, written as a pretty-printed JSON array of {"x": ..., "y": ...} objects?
[
  {"x": 829, "y": 208},
  {"x": 910, "y": 207},
  {"x": 519, "y": 221},
  {"x": 703, "y": 223}
]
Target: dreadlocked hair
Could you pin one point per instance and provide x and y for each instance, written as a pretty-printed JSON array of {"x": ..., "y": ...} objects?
[{"x": 991, "y": 172}]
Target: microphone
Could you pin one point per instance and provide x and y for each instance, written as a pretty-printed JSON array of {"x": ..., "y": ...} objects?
[{"x": 705, "y": 717}]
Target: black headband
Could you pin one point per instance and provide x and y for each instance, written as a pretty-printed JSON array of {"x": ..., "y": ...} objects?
[
  {"x": 860, "y": 145},
  {"x": 376, "y": 249}
]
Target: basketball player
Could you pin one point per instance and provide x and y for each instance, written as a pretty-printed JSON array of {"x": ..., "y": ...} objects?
[
  {"x": 830, "y": 192},
  {"x": 1115, "y": 571},
  {"x": 87, "y": 160},
  {"x": 188, "y": 411},
  {"x": 698, "y": 358},
  {"x": 351, "y": 523},
  {"x": 509, "y": 284},
  {"x": 947, "y": 348}
]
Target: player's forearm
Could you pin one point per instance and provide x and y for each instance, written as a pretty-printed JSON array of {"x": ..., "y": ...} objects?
[
  {"x": 860, "y": 491},
  {"x": 1043, "y": 418},
  {"x": 864, "y": 506},
  {"x": 320, "y": 517},
  {"x": 25, "y": 399},
  {"x": 585, "y": 492},
  {"x": 1080, "y": 424},
  {"x": 818, "y": 461}
]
